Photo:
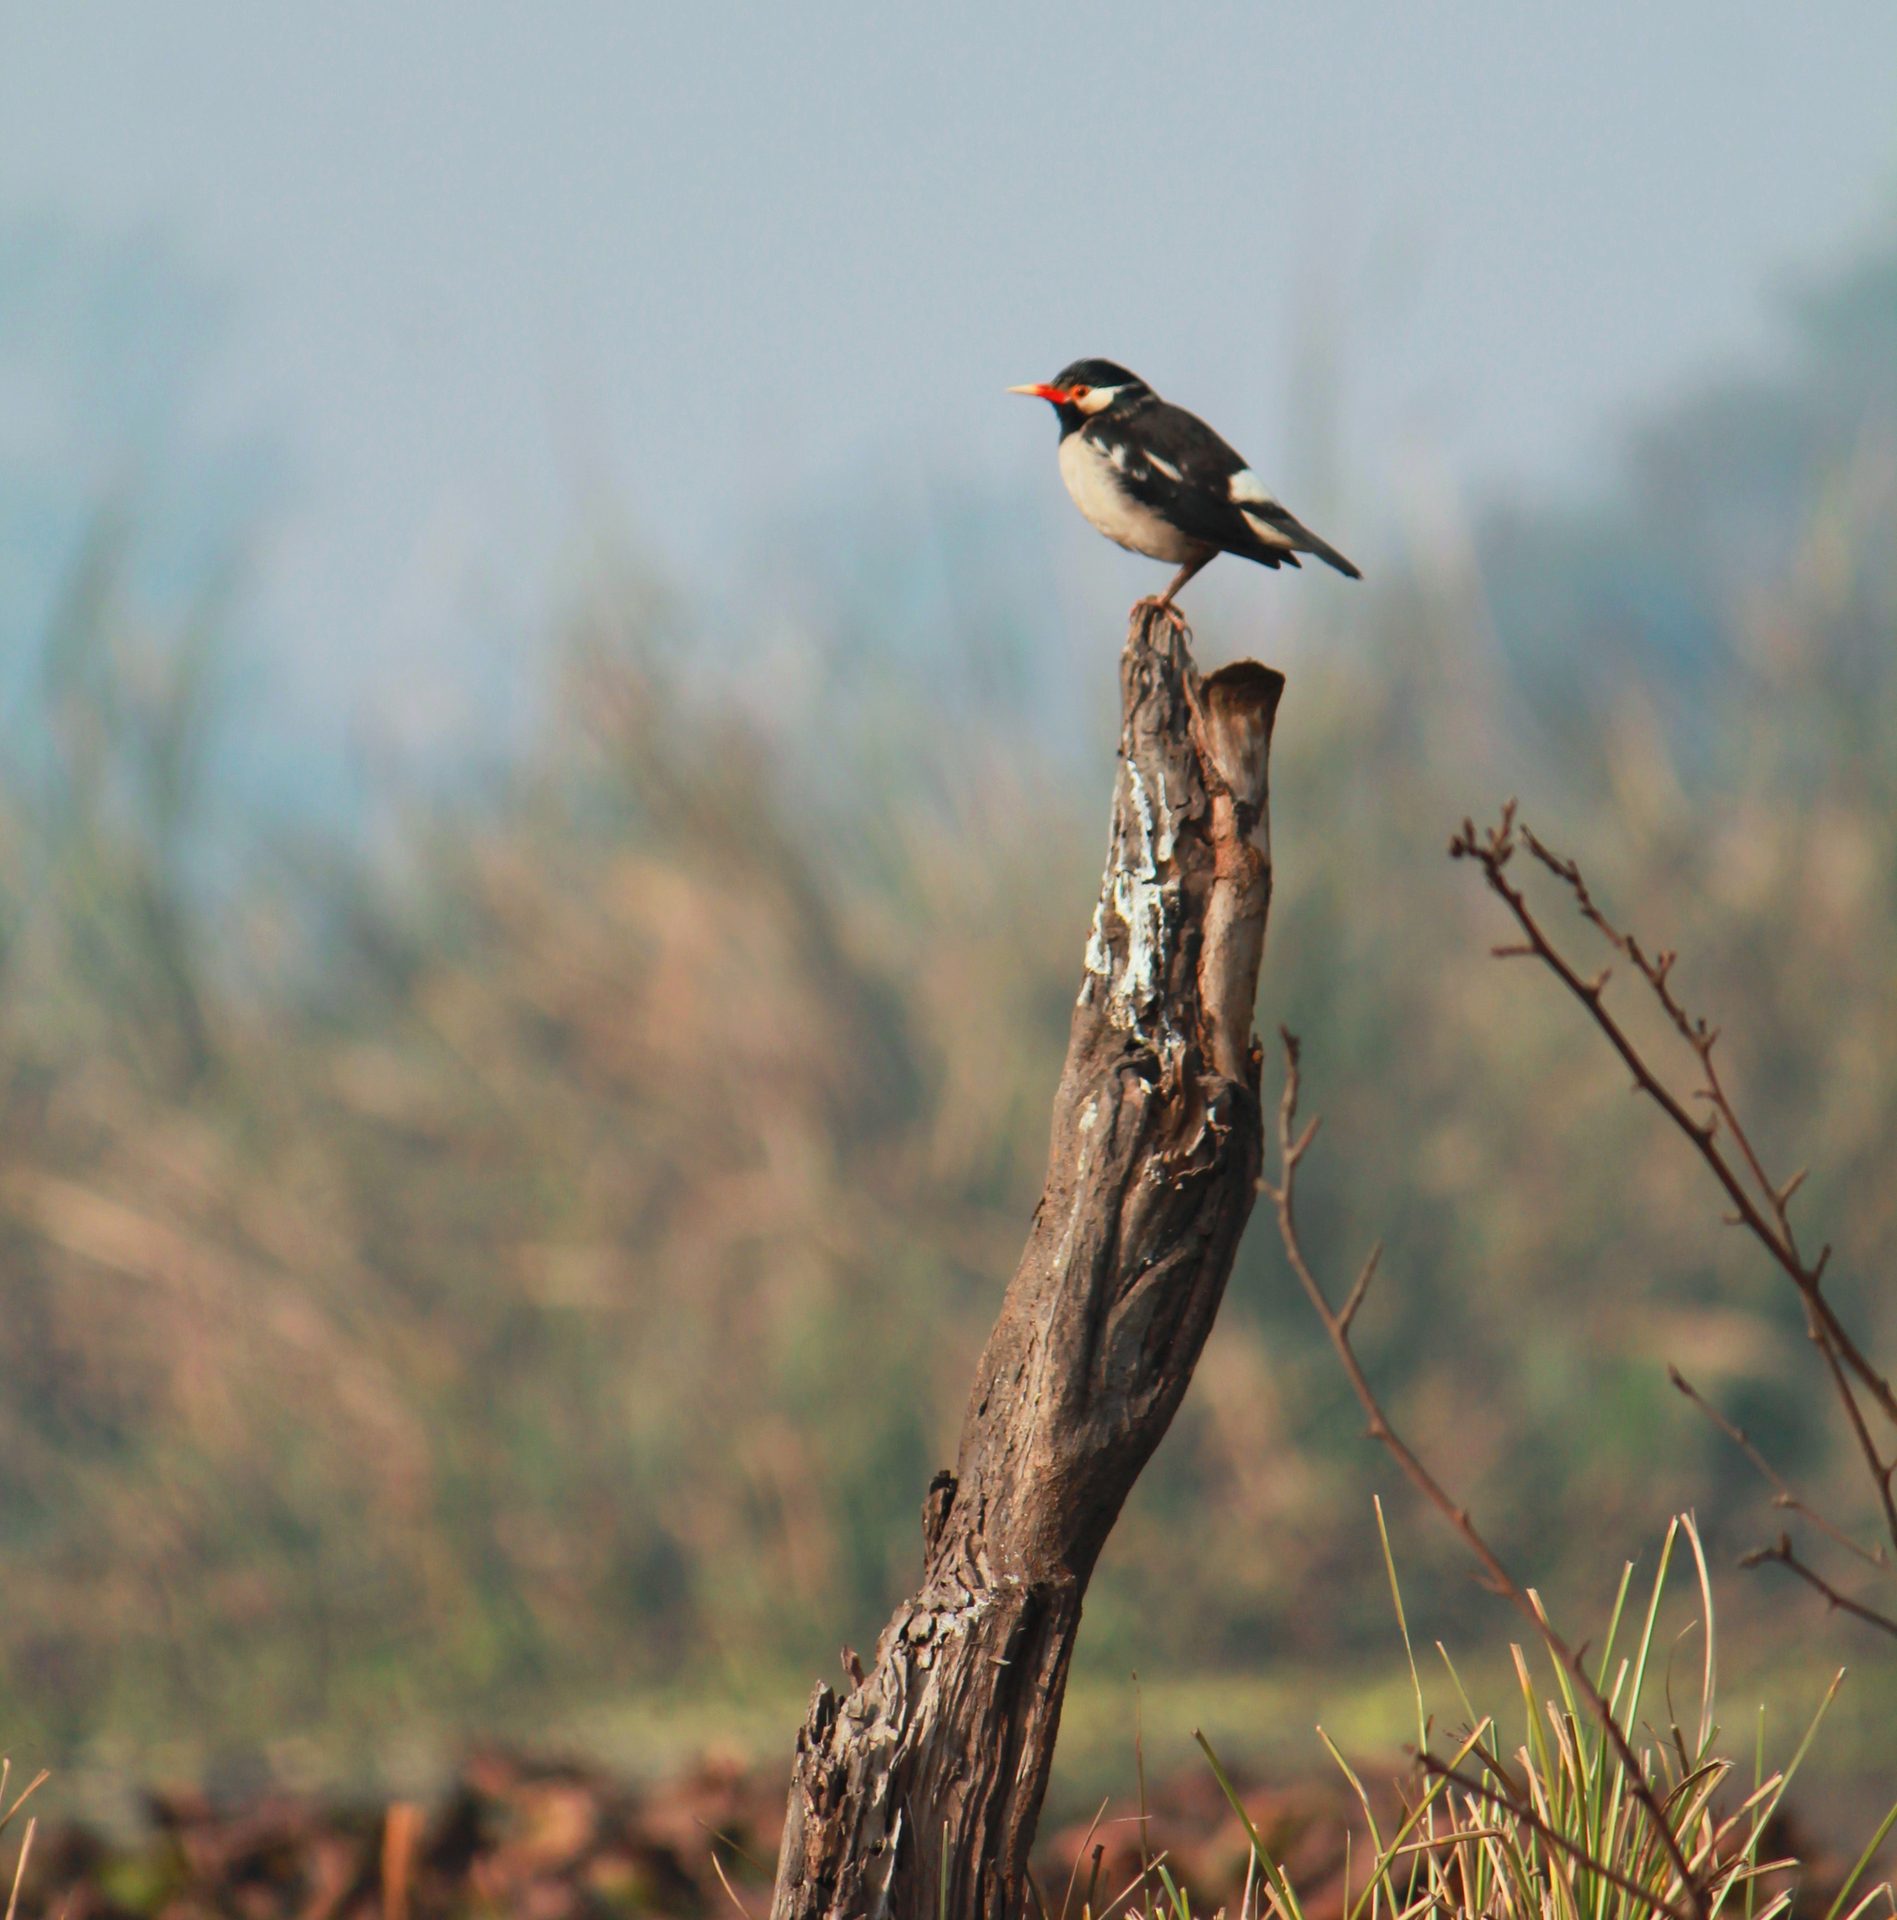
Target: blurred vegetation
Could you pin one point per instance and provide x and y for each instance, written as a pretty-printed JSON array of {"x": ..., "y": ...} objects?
[
  {"x": 1369, "y": 1838},
  {"x": 538, "y": 1257}
]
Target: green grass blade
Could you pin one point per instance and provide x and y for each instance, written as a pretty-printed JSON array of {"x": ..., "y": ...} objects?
[
  {"x": 1542, "y": 1761},
  {"x": 1455, "y": 1680},
  {"x": 1274, "y": 1874},
  {"x": 1403, "y": 1625},
  {"x": 1863, "y": 1860},
  {"x": 1709, "y": 1672},
  {"x": 1758, "y": 1781},
  {"x": 1629, "y": 1709},
  {"x": 1613, "y": 1624},
  {"x": 1432, "y": 1792}
]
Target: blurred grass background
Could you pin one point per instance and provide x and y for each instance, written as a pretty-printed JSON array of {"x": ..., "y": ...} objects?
[{"x": 517, "y": 1269}]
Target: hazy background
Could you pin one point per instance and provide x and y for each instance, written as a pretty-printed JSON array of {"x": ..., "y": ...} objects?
[
  {"x": 445, "y": 279},
  {"x": 557, "y": 724}
]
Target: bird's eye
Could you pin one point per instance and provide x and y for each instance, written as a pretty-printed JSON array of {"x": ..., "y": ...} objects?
[{"x": 1078, "y": 393}]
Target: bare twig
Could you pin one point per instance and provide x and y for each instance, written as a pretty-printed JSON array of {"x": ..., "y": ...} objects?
[
  {"x": 1760, "y": 1204},
  {"x": 1786, "y": 1555},
  {"x": 1783, "y": 1495},
  {"x": 1292, "y": 1147}
]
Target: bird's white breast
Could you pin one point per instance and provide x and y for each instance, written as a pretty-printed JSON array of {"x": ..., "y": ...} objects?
[{"x": 1094, "y": 480}]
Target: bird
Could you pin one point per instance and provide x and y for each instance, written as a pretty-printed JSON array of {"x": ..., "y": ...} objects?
[{"x": 1157, "y": 480}]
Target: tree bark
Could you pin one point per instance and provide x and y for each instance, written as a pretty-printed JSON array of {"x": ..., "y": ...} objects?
[{"x": 917, "y": 1793}]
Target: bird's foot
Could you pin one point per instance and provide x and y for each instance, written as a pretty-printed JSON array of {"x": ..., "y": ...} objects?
[{"x": 1162, "y": 605}]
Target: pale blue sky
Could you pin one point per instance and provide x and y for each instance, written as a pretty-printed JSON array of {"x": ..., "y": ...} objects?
[{"x": 719, "y": 260}]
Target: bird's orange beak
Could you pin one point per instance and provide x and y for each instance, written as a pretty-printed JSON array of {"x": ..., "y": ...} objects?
[{"x": 1040, "y": 391}]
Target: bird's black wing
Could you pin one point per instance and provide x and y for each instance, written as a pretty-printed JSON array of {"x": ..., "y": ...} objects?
[{"x": 1174, "y": 463}]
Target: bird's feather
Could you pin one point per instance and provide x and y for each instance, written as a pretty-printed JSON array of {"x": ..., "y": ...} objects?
[{"x": 1168, "y": 463}]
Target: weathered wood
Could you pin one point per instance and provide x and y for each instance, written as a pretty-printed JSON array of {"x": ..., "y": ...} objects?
[{"x": 933, "y": 1765}]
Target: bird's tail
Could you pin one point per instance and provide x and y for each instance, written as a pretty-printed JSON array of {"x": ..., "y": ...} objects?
[
  {"x": 1278, "y": 528},
  {"x": 1308, "y": 542}
]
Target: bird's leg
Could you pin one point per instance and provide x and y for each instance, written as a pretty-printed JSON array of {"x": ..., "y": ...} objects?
[{"x": 1179, "y": 579}]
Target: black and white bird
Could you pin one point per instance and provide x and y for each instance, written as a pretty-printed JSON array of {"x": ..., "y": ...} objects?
[{"x": 1159, "y": 481}]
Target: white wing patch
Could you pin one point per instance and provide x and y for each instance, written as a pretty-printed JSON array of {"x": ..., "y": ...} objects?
[
  {"x": 1247, "y": 492},
  {"x": 1246, "y": 489},
  {"x": 1270, "y": 535},
  {"x": 1162, "y": 466}
]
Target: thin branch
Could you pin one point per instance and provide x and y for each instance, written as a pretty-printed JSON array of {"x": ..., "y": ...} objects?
[
  {"x": 1786, "y": 1555},
  {"x": 1493, "y": 852},
  {"x": 1348, "y": 1311},
  {"x": 1292, "y": 1146},
  {"x": 1880, "y": 1469},
  {"x": 1783, "y": 1494},
  {"x": 1759, "y": 1204}
]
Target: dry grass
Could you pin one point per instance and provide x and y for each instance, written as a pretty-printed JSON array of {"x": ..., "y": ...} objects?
[{"x": 545, "y": 1255}]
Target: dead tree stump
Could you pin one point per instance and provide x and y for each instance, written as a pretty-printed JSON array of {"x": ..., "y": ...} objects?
[{"x": 933, "y": 1765}]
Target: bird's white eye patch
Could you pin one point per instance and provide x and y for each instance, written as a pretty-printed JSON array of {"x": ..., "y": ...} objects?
[
  {"x": 1246, "y": 486},
  {"x": 1094, "y": 399}
]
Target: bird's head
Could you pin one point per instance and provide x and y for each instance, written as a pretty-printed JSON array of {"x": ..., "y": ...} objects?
[{"x": 1088, "y": 387}]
